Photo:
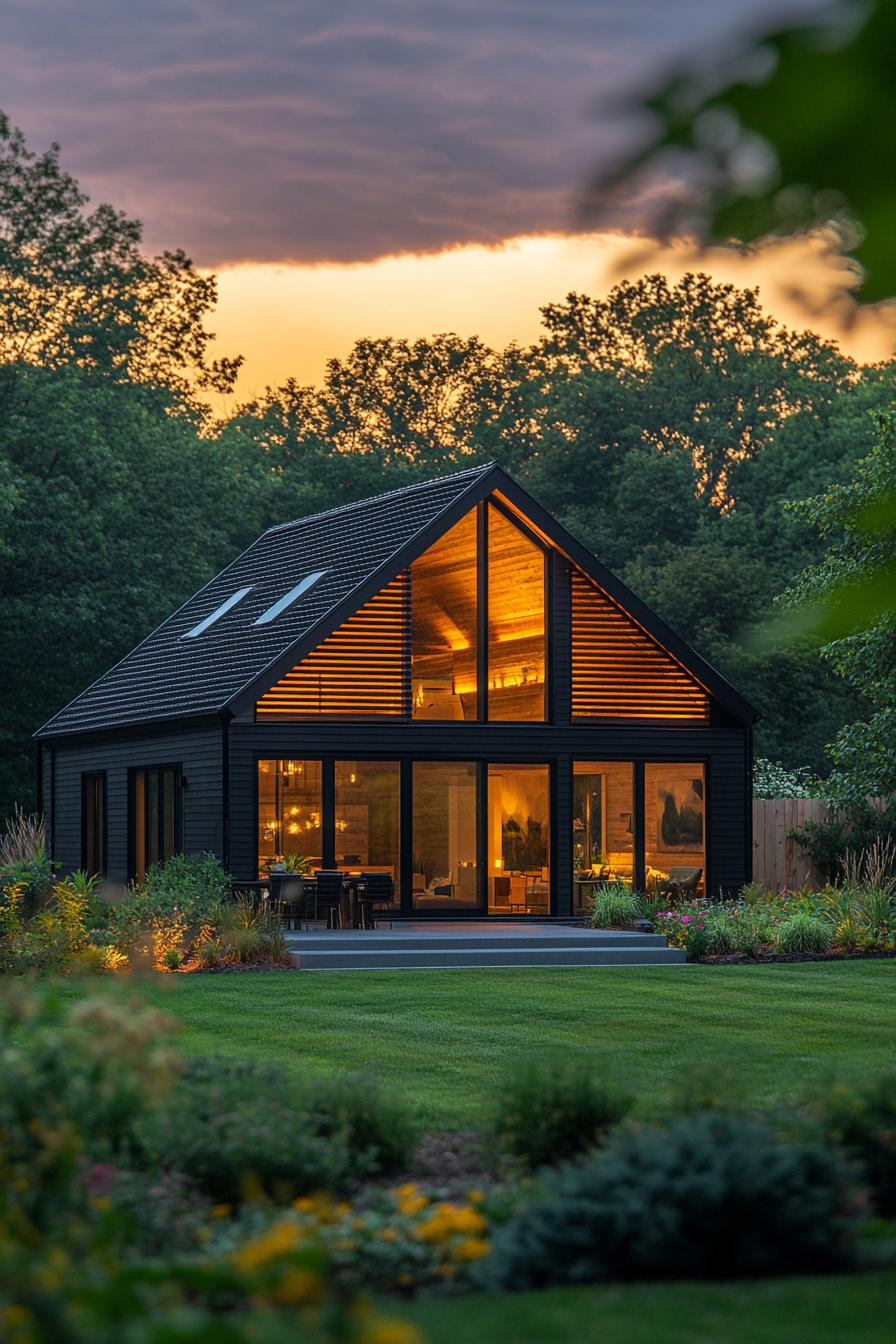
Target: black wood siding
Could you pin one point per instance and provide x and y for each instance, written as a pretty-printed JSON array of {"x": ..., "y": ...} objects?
[
  {"x": 722, "y": 747},
  {"x": 197, "y": 749}
]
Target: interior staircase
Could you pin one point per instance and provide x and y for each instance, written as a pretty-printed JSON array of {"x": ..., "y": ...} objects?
[{"x": 438, "y": 946}]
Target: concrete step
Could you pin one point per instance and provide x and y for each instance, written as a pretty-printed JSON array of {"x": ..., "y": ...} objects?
[
  {"x": 386, "y": 940},
  {"x": 440, "y": 957}
]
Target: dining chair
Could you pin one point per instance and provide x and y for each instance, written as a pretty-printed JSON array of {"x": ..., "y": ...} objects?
[
  {"x": 376, "y": 901},
  {"x": 328, "y": 896}
]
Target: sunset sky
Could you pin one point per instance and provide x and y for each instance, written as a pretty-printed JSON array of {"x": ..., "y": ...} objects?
[{"x": 382, "y": 167}]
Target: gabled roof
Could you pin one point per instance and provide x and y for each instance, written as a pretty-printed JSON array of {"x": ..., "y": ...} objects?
[{"x": 359, "y": 547}]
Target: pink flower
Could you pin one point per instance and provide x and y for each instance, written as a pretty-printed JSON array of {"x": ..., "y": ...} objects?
[{"x": 685, "y": 919}]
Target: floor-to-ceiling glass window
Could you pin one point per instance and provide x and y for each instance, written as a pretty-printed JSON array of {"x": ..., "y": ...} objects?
[
  {"x": 603, "y": 826},
  {"x": 674, "y": 843},
  {"x": 445, "y": 851},
  {"x": 443, "y": 621},
  {"x": 519, "y": 872},
  {"x": 290, "y": 812},
  {"x": 516, "y": 623},
  {"x": 367, "y": 823}
]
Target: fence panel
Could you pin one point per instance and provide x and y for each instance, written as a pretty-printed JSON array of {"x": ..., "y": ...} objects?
[{"x": 778, "y": 860}]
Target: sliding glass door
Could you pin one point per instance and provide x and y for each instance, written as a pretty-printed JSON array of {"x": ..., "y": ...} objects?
[
  {"x": 445, "y": 849},
  {"x": 367, "y": 818}
]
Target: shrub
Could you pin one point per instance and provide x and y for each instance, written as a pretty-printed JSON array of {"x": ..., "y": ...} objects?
[
  {"x": 803, "y": 933},
  {"x": 863, "y": 1121},
  {"x": 376, "y": 1125},
  {"x": 24, "y": 837},
  {"x": 73, "y": 1083},
  {"x": 179, "y": 901},
  {"x": 549, "y": 1110},
  {"x": 248, "y": 934},
  {"x": 721, "y": 933},
  {"x": 34, "y": 878},
  {"x": 614, "y": 906},
  {"x": 711, "y": 1196},
  {"x": 851, "y": 828},
  {"x": 236, "y": 1129}
]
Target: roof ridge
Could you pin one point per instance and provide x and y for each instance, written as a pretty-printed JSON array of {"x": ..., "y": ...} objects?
[{"x": 386, "y": 494}]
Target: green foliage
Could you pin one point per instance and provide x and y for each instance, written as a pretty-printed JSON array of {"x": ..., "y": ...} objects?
[
  {"x": 186, "y": 892},
  {"x": 803, "y": 933},
  {"x": 849, "y": 601},
  {"x": 247, "y": 934},
  {"x": 772, "y": 780},
  {"x": 240, "y": 1130},
  {"x": 863, "y": 1121},
  {"x": 375, "y": 1124},
  {"x": 33, "y": 876},
  {"x": 551, "y": 1109},
  {"x": 614, "y": 906},
  {"x": 759, "y": 157},
  {"x": 710, "y": 1196},
  {"x": 851, "y": 827}
]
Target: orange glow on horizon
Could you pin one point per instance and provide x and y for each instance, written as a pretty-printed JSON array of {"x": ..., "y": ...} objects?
[{"x": 289, "y": 319}]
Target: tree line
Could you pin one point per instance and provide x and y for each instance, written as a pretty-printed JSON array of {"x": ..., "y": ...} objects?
[{"x": 668, "y": 426}]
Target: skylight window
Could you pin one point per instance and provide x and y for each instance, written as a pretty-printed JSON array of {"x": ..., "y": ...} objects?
[
  {"x": 288, "y": 598},
  {"x": 218, "y": 612}
]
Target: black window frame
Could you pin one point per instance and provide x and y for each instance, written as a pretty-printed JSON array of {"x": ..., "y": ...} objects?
[
  {"x": 154, "y": 781},
  {"x": 93, "y": 787}
]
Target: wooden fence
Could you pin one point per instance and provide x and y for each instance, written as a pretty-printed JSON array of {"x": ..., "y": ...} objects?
[{"x": 778, "y": 860}]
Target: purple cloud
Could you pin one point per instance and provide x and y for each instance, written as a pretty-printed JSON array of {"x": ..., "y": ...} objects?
[{"x": 341, "y": 130}]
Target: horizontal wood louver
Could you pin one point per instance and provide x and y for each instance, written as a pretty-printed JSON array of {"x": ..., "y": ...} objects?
[
  {"x": 360, "y": 669},
  {"x": 619, "y": 671}
]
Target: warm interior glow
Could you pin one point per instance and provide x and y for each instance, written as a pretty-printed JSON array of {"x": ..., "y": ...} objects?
[
  {"x": 603, "y": 841},
  {"x": 674, "y": 832},
  {"x": 356, "y": 671},
  {"x": 444, "y": 835},
  {"x": 519, "y": 840},
  {"x": 289, "y": 789},
  {"x": 619, "y": 671},
  {"x": 368, "y": 818},
  {"x": 516, "y": 623},
  {"x": 443, "y": 626}
]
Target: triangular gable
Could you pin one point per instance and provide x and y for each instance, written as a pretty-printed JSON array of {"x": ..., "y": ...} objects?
[
  {"x": 619, "y": 671},
  {"x": 493, "y": 482}
]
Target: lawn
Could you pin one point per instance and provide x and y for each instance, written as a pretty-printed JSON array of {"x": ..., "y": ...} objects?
[
  {"x": 441, "y": 1037},
  {"x": 856, "y": 1310}
]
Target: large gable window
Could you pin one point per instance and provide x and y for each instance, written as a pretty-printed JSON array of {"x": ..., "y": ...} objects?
[
  {"x": 421, "y": 648},
  {"x": 444, "y": 665},
  {"x": 516, "y": 623}
]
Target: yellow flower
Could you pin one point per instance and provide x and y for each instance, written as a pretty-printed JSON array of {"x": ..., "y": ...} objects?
[
  {"x": 410, "y": 1202},
  {"x": 391, "y": 1332},
  {"x": 277, "y": 1241},
  {"x": 221, "y": 1210},
  {"x": 475, "y": 1196},
  {"x": 303, "y": 1205},
  {"x": 298, "y": 1285},
  {"x": 388, "y": 1234},
  {"x": 471, "y": 1248}
]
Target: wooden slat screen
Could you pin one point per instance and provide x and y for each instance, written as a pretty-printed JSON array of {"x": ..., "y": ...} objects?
[
  {"x": 619, "y": 671},
  {"x": 360, "y": 669}
]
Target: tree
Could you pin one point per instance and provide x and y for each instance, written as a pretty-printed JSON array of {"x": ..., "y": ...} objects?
[
  {"x": 789, "y": 130},
  {"x": 839, "y": 595},
  {"x": 75, "y": 287}
]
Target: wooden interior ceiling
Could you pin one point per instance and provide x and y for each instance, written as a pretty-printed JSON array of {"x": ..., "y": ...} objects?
[{"x": 619, "y": 671}]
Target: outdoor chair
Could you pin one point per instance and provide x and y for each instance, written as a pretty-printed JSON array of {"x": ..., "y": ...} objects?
[
  {"x": 287, "y": 895},
  {"x": 328, "y": 897},
  {"x": 376, "y": 902}
]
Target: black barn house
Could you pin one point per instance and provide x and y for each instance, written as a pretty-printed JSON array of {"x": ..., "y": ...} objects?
[{"x": 439, "y": 683}]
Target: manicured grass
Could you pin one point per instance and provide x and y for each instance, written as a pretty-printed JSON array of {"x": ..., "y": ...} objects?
[
  {"x": 442, "y": 1037},
  {"x": 857, "y": 1310}
]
